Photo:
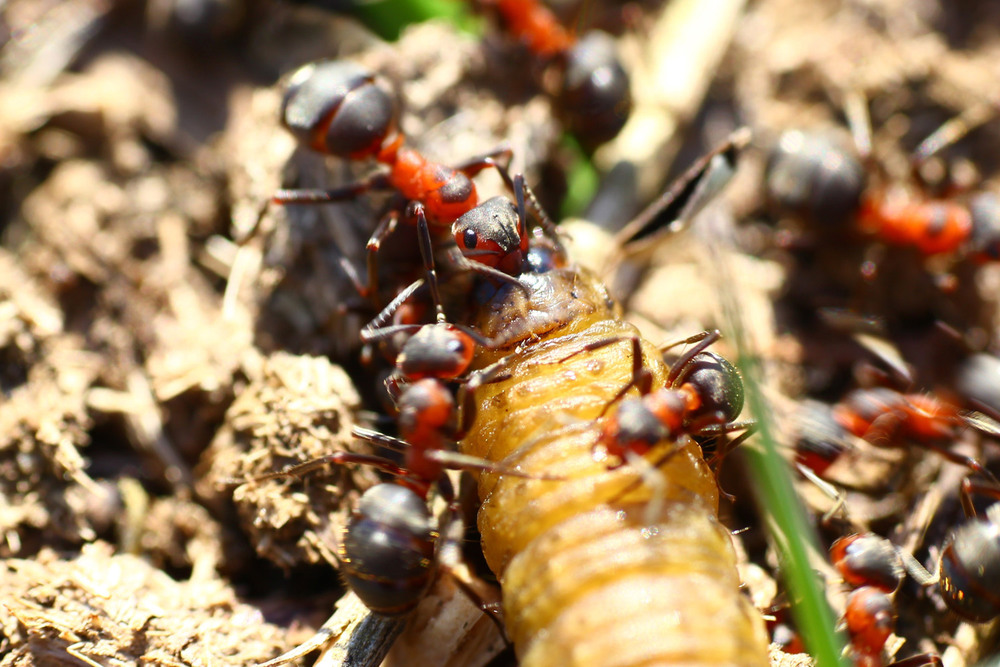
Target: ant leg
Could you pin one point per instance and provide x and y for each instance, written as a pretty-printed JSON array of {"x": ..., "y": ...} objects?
[
  {"x": 970, "y": 488},
  {"x": 416, "y": 209},
  {"x": 371, "y": 634},
  {"x": 922, "y": 660},
  {"x": 642, "y": 379},
  {"x": 829, "y": 490},
  {"x": 386, "y": 226},
  {"x": 973, "y": 464},
  {"x": 467, "y": 394},
  {"x": 686, "y": 197},
  {"x": 372, "y": 330},
  {"x": 463, "y": 263},
  {"x": 299, "y": 470},
  {"x": 482, "y": 594},
  {"x": 859, "y": 122},
  {"x": 499, "y": 158},
  {"x": 884, "y": 429},
  {"x": 749, "y": 428},
  {"x": 380, "y": 439},
  {"x": 949, "y": 132},
  {"x": 448, "y": 459},
  {"x": 325, "y": 196},
  {"x": 703, "y": 340}
]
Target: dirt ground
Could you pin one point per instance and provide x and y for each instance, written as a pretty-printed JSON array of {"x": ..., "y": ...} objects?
[{"x": 164, "y": 334}]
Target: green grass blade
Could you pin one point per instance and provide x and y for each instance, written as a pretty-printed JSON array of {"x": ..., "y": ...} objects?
[{"x": 791, "y": 533}]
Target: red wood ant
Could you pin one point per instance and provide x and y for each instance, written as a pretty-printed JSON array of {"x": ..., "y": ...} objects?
[
  {"x": 880, "y": 416},
  {"x": 970, "y": 559},
  {"x": 821, "y": 179},
  {"x": 342, "y": 109},
  {"x": 703, "y": 395},
  {"x": 593, "y": 96}
]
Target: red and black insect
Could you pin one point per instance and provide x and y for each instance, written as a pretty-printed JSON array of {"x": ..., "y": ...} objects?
[
  {"x": 593, "y": 95},
  {"x": 702, "y": 396},
  {"x": 342, "y": 109},
  {"x": 970, "y": 559},
  {"x": 882, "y": 417},
  {"x": 830, "y": 185}
]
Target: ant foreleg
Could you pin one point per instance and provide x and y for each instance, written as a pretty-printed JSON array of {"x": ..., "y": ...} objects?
[
  {"x": 416, "y": 210},
  {"x": 704, "y": 340},
  {"x": 641, "y": 377},
  {"x": 499, "y": 158},
  {"x": 330, "y": 195},
  {"x": 299, "y": 470},
  {"x": 482, "y": 594}
]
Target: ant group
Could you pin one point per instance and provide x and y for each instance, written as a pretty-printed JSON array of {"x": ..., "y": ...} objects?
[
  {"x": 593, "y": 95},
  {"x": 968, "y": 577},
  {"x": 874, "y": 568},
  {"x": 390, "y": 551},
  {"x": 834, "y": 188}
]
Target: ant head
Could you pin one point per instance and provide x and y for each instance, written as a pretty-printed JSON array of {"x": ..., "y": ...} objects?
[
  {"x": 387, "y": 553},
  {"x": 595, "y": 95},
  {"x": 493, "y": 234},
  {"x": 970, "y": 570},
  {"x": 437, "y": 351},
  {"x": 985, "y": 241},
  {"x": 815, "y": 176},
  {"x": 338, "y": 108},
  {"x": 717, "y": 383}
]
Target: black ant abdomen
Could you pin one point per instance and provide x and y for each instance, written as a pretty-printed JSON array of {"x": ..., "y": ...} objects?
[
  {"x": 719, "y": 387},
  {"x": 595, "y": 97},
  {"x": 387, "y": 552},
  {"x": 814, "y": 176},
  {"x": 970, "y": 568},
  {"x": 337, "y": 107}
]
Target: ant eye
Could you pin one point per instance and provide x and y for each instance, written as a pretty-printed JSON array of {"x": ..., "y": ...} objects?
[{"x": 470, "y": 238}]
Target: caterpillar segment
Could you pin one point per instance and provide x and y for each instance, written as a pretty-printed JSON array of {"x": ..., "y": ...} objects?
[{"x": 588, "y": 576}]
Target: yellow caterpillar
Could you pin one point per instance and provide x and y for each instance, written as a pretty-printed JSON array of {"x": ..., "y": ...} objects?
[{"x": 587, "y": 579}]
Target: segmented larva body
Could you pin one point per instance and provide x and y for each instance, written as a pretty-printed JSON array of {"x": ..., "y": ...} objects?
[{"x": 587, "y": 579}]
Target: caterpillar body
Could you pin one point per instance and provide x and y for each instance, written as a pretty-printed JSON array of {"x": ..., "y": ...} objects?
[{"x": 587, "y": 578}]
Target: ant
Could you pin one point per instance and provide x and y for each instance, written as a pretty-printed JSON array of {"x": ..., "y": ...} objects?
[
  {"x": 703, "y": 395},
  {"x": 593, "y": 95},
  {"x": 882, "y": 417},
  {"x": 970, "y": 560},
  {"x": 874, "y": 568},
  {"x": 342, "y": 109},
  {"x": 825, "y": 182}
]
